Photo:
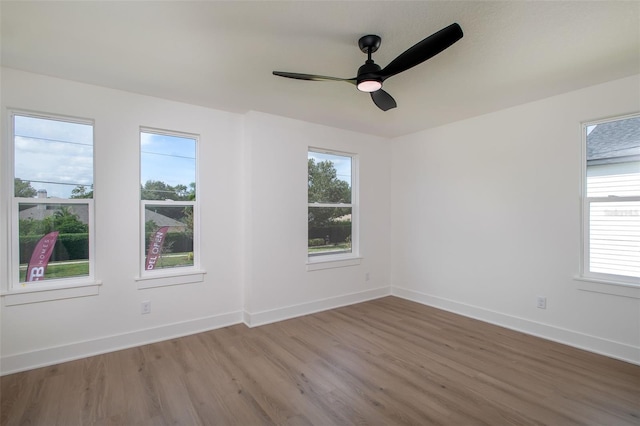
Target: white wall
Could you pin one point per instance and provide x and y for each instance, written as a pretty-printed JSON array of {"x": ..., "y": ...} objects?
[
  {"x": 486, "y": 217},
  {"x": 277, "y": 283},
  {"x": 478, "y": 217},
  {"x": 42, "y": 333},
  {"x": 252, "y": 189}
]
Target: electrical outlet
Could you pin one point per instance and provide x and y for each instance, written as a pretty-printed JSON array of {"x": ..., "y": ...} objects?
[
  {"x": 145, "y": 308},
  {"x": 541, "y": 302},
  {"x": 367, "y": 276}
]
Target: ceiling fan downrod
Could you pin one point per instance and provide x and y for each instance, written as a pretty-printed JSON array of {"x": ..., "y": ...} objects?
[{"x": 368, "y": 79}]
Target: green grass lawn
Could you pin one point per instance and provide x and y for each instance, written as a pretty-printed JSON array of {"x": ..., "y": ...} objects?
[
  {"x": 330, "y": 247},
  {"x": 173, "y": 260},
  {"x": 78, "y": 268}
]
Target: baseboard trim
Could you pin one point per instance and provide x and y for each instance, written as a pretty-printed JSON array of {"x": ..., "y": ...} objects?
[
  {"x": 55, "y": 355},
  {"x": 255, "y": 319},
  {"x": 612, "y": 349}
]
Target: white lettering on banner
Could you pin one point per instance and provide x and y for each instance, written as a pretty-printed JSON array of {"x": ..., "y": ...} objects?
[
  {"x": 40, "y": 257},
  {"x": 43, "y": 251},
  {"x": 37, "y": 272},
  {"x": 155, "y": 248}
]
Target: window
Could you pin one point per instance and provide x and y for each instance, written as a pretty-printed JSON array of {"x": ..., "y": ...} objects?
[
  {"x": 611, "y": 202},
  {"x": 52, "y": 232},
  {"x": 168, "y": 202},
  {"x": 332, "y": 212}
]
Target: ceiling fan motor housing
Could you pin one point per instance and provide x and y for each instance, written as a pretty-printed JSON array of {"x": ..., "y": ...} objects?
[{"x": 368, "y": 74}]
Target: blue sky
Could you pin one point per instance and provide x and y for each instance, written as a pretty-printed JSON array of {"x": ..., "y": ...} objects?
[
  {"x": 57, "y": 156},
  {"x": 167, "y": 158},
  {"x": 53, "y": 155}
]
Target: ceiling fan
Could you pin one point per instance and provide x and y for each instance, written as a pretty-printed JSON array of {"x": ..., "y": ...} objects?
[{"x": 370, "y": 75}]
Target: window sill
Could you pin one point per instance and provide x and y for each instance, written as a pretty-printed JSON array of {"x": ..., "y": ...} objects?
[
  {"x": 165, "y": 280},
  {"x": 45, "y": 294},
  {"x": 598, "y": 285},
  {"x": 316, "y": 265}
]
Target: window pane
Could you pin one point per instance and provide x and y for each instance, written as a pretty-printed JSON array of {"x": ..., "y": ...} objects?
[
  {"x": 614, "y": 243},
  {"x": 53, "y": 158},
  {"x": 168, "y": 167},
  {"x": 53, "y": 241},
  {"x": 168, "y": 236},
  {"x": 613, "y": 158},
  {"x": 329, "y": 230},
  {"x": 329, "y": 178}
]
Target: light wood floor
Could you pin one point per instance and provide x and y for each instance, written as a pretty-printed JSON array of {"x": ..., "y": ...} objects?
[{"x": 384, "y": 362}]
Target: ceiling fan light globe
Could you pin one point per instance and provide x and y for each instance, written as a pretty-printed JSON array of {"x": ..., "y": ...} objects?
[{"x": 369, "y": 85}]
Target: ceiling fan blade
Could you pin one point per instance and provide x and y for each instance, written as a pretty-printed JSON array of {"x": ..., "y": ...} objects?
[
  {"x": 383, "y": 100},
  {"x": 420, "y": 52},
  {"x": 312, "y": 77}
]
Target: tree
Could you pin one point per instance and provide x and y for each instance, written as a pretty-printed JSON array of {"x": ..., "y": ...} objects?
[
  {"x": 80, "y": 191},
  {"x": 67, "y": 222},
  {"x": 64, "y": 221},
  {"x": 188, "y": 220},
  {"x": 150, "y": 226},
  {"x": 23, "y": 188},
  {"x": 325, "y": 187},
  {"x": 31, "y": 227},
  {"x": 158, "y": 190},
  {"x": 181, "y": 191}
]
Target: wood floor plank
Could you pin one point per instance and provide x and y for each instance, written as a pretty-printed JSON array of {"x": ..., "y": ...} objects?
[{"x": 384, "y": 362}]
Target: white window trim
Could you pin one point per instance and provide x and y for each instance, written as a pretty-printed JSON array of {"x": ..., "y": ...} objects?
[
  {"x": 184, "y": 274},
  {"x": 330, "y": 261},
  {"x": 13, "y": 292},
  {"x": 608, "y": 286},
  {"x": 55, "y": 292},
  {"x": 593, "y": 281}
]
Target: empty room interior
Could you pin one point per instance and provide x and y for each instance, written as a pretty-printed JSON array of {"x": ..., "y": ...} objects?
[{"x": 466, "y": 249}]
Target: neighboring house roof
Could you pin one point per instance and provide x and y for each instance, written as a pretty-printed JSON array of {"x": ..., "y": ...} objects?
[
  {"x": 42, "y": 211},
  {"x": 162, "y": 220},
  {"x": 614, "y": 142}
]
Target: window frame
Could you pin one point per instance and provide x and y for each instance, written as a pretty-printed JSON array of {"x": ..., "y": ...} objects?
[
  {"x": 177, "y": 275},
  {"x": 352, "y": 258},
  {"x": 585, "y": 274},
  {"x": 15, "y": 292}
]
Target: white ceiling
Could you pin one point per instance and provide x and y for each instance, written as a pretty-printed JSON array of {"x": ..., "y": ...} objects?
[{"x": 221, "y": 54}]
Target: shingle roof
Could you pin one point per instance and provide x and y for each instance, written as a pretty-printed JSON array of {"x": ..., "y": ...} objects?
[
  {"x": 43, "y": 211},
  {"x": 162, "y": 220},
  {"x": 610, "y": 141}
]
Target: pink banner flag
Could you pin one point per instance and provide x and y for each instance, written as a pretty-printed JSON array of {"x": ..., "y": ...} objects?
[
  {"x": 155, "y": 248},
  {"x": 40, "y": 257}
]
